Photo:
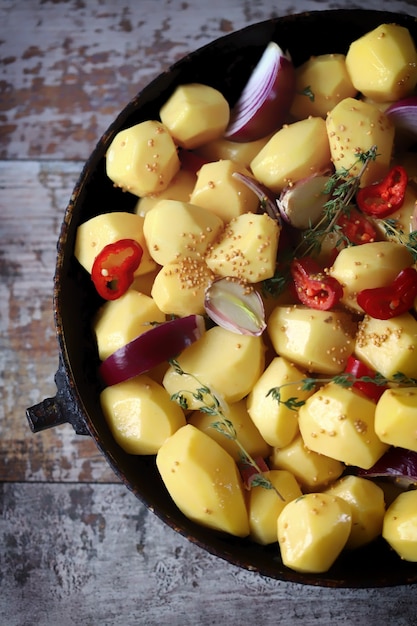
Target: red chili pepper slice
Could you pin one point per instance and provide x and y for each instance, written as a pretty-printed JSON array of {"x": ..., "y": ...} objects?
[
  {"x": 358, "y": 369},
  {"x": 249, "y": 472},
  {"x": 383, "y": 303},
  {"x": 114, "y": 267},
  {"x": 313, "y": 287},
  {"x": 357, "y": 228},
  {"x": 383, "y": 198}
]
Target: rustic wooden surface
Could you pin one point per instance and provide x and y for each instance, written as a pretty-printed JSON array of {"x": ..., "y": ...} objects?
[{"x": 76, "y": 548}]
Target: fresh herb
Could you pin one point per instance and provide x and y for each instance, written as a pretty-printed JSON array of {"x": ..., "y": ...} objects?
[
  {"x": 342, "y": 186},
  {"x": 307, "y": 91},
  {"x": 275, "y": 285},
  {"x": 394, "y": 231},
  {"x": 211, "y": 405},
  {"x": 345, "y": 380}
]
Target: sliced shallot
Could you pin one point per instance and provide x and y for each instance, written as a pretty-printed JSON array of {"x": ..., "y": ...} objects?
[{"x": 235, "y": 307}]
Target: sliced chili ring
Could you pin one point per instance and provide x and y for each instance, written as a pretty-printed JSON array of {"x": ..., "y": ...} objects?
[
  {"x": 313, "y": 287},
  {"x": 383, "y": 198},
  {"x": 358, "y": 369},
  {"x": 357, "y": 228},
  {"x": 383, "y": 303},
  {"x": 114, "y": 268}
]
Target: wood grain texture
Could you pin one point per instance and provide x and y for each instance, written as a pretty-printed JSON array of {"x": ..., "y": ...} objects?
[
  {"x": 76, "y": 548},
  {"x": 85, "y": 555}
]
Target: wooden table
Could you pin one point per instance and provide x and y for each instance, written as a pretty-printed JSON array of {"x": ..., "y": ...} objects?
[{"x": 76, "y": 548}]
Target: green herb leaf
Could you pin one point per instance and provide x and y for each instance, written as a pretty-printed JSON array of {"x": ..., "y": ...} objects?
[
  {"x": 307, "y": 91},
  {"x": 212, "y": 406}
]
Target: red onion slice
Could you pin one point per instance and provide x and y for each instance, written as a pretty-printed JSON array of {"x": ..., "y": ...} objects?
[
  {"x": 398, "y": 464},
  {"x": 159, "y": 344},
  {"x": 266, "y": 98},
  {"x": 235, "y": 307},
  {"x": 266, "y": 197},
  {"x": 403, "y": 115}
]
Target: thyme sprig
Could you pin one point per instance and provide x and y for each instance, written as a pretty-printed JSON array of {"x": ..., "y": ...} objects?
[
  {"x": 344, "y": 379},
  {"x": 211, "y": 405},
  {"x": 393, "y": 230},
  {"x": 342, "y": 186}
]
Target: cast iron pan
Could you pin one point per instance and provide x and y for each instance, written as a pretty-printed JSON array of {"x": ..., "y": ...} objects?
[{"x": 224, "y": 64}]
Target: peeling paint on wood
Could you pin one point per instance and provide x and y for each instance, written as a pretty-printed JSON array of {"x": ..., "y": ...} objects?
[{"x": 83, "y": 555}]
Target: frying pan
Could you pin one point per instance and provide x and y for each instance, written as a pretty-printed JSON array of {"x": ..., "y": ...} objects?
[{"x": 225, "y": 64}]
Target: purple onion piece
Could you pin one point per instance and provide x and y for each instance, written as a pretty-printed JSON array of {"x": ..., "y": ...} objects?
[
  {"x": 161, "y": 343},
  {"x": 397, "y": 463},
  {"x": 266, "y": 98},
  {"x": 403, "y": 115},
  {"x": 266, "y": 197}
]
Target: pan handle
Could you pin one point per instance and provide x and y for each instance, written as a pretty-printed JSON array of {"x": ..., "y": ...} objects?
[{"x": 60, "y": 409}]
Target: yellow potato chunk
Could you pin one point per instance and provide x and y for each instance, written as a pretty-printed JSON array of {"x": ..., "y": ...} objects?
[
  {"x": 101, "y": 230},
  {"x": 120, "y": 321},
  {"x": 339, "y": 422},
  {"x": 265, "y": 505},
  {"x": 312, "y": 532},
  {"x": 246, "y": 249},
  {"x": 140, "y": 414},
  {"x": 294, "y": 152},
  {"x": 396, "y": 417},
  {"x": 179, "y": 288},
  {"x": 227, "y": 363},
  {"x": 176, "y": 230},
  {"x": 142, "y": 159},
  {"x": 321, "y": 83},
  {"x": 203, "y": 480},
  {"x": 354, "y": 125},
  {"x": 388, "y": 346},
  {"x": 217, "y": 190},
  {"x": 400, "y": 525},
  {"x": 145, "y": 282},
  {"x": 312, "y": 470},
  {"x": 368, "y": 266},
  {"x": 240, "y": 152},
  {"x": 277, "y": 423},
  {"x": 317, "y": 341},
  {"x": 180, "y": 188},
  {"x": 247, "y": 433},
  {"x": 195, "y": 114},
  {"x": 367, "y": 507},
  {"x": 382, "y": 64}
]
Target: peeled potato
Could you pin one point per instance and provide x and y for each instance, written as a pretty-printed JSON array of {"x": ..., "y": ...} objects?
[
  {"x": 229, "y": 364},
  {"x": 142, "y": 159},
  {"x": 312, "y": 531},
  {"x": 265, "y": 505},
  {"x": 140, "y": 414},
  {"x": 296, "y": 151},
  {"x": 382, "y": 64},
  {"x": 400, "y": 525},
  {"x": 195, "y": 114},
  {"x": 203, "y": 480}
]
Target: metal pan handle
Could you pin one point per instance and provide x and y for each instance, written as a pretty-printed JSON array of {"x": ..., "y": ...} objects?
[{"x": 60, "y": 409}]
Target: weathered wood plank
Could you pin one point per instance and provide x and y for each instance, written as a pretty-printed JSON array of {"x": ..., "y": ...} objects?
[
  {"x": 69, "y": 67},
  {"x": 31, "y": 210},
  {"x": 86, "y": 555}
]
